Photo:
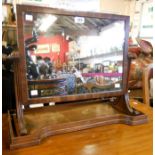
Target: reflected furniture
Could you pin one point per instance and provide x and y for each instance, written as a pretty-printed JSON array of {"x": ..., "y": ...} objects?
[
  {"x": 141, "y": 57},
  {"x": 68, "y": 40},
  {"x": 46, "y": 87},
  {"x": 147, "y": 86},
  {"x": 140, "y": 68}
]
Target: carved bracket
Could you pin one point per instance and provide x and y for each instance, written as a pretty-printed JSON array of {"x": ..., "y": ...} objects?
[{"x": 122, "y": 105}]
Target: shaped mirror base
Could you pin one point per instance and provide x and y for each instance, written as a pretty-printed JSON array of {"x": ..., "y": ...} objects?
[{"x": 66, "y": 118}]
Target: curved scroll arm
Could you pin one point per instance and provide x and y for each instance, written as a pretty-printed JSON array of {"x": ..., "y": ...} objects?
[
  {"x": 19, "y": 110},
  {"x": 122, "y": 102},
  {"x": 147, "y": 75},
  {"x": 122, "y": 105}
]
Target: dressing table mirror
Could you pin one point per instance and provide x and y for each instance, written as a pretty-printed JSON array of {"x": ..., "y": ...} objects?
[{"x": 76, "y": 64}]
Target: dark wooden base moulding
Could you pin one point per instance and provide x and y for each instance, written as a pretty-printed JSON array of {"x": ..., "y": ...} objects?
[{"x": 52, "y": 120}]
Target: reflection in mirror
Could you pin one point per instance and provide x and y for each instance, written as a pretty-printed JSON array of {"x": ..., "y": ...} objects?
[{"x": 72, "y": 55}]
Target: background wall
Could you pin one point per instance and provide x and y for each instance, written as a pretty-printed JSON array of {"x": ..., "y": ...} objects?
[
  {"x": 136, "y": 9},
  {"x": 123, "y": 7}
]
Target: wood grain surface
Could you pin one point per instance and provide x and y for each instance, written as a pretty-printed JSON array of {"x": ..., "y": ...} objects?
[{"x": 116, "y": 139}]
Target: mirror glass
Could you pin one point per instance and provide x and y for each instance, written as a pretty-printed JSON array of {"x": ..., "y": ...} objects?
[{"x": 69, "y": 55}]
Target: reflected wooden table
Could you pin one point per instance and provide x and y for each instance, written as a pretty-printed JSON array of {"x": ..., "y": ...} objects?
[
  {"x": 47, "y": 87},
  {"x": 116, "y": 139}
]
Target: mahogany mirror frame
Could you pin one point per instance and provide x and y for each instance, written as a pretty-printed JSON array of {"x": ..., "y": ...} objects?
[{"x": 21, "y": 73}]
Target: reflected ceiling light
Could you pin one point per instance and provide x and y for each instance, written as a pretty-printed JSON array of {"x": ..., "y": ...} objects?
[
  {"x": 90, "y": 149},
  {"x": 63, "y": 33},
  {"x": 47, "y": 22},
  {"x": 67, "y": 37}
]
